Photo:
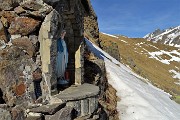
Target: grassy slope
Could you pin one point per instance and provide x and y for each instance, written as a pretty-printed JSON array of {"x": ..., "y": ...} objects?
[{"x": 156, "y": 72}]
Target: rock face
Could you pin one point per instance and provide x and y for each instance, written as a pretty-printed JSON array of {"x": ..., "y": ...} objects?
[{"x": 90, "y": 23}]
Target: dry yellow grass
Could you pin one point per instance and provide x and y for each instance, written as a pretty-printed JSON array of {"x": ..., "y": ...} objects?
[{"x": 155, "y": 71}]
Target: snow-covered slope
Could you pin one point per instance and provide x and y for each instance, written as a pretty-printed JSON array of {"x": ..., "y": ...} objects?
[
  {"x": 139, "y": 100},
  {"x": 169, "y": 36}
]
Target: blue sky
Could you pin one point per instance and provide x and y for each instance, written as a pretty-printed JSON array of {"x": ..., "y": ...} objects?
[{"x": 136, "y": 18}]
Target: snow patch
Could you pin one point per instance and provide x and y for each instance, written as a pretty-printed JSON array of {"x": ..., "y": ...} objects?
[
  {"x": 124, "y": 41},
  {"x": 109, "y": 35},
  {"x": 139, "y": 100},
  {"x": 176, "y": 75},
  {"x": 157, "y": 55}
]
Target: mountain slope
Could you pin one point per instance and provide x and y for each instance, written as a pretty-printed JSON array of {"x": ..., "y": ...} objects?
[
  {"x": 158, "y": 63},
  {"x": 139, "y": 99},
  {"x": 169, "y": 36}
]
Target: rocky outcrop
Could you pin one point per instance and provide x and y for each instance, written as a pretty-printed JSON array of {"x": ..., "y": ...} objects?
[
  {"x": 91, "y": 28},
  {"x": 112, "y": 49}
]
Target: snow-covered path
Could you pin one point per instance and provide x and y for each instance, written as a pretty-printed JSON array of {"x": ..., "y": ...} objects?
[{"x": 139, "y": 100}]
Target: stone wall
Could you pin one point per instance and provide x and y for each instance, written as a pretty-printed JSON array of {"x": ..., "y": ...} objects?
[
  {"x": 28, "y": 32},
  {"x": 20, "y": 65},
  {"x": 28, "y": 49}
]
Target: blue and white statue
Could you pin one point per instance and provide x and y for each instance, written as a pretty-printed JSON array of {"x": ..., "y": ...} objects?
[{"x": 62, "y": 59}]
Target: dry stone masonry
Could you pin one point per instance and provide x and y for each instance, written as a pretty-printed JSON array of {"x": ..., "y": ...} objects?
[{"x": 29, "y": 30}]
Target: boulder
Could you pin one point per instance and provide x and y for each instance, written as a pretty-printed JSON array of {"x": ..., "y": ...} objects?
[
  {"x": 25, "y": 44},
  {"x": 23, "y": 26}
]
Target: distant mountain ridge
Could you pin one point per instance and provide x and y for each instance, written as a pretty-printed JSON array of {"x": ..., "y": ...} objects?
[{"x": 169, "y": 36}]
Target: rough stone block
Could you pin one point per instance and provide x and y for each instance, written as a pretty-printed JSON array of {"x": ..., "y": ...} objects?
[
  {"x": 76, "y": 105},
  {"x": 92, "y": 104},
  {"x": 31, "y": 5},
  {"x": 63, "y": 114},
  {"x": 9, "y": 15},
  {"x": 5, "y": 115},
  {"x": 84, "y": 107},
  {"x": 17, "y": 114},
  {"x": 19, "y": 10},
  {"x": 23, "y": 26},
  {"x": 9, "y": 4},
  {"x": 3, "y": 33},
  {"x": 25, "y": 43},
  {"x": 48, "y": 109},
  {"x": 78, "y": 79}
]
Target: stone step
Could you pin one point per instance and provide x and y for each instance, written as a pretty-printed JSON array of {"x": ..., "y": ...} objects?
[{"x": 78, "y": 92}]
